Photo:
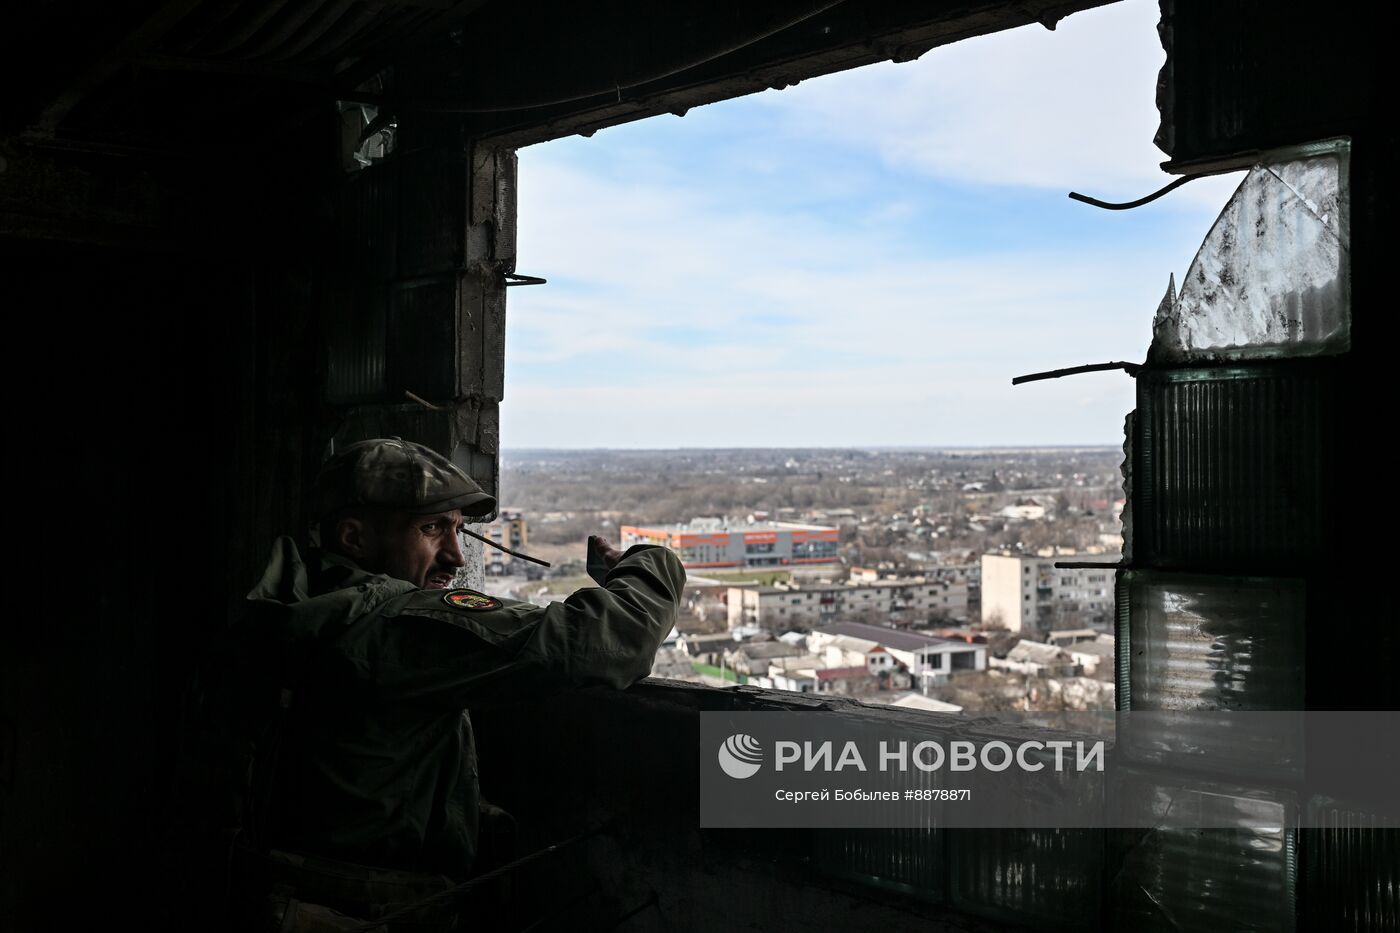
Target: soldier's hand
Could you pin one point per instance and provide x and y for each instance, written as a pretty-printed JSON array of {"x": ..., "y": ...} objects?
[
  {"x": 609, "y": 555},
  {"x": 602, "y": 558}
]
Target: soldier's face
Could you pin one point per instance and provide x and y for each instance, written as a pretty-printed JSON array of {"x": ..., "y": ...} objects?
[{"x": 425, "y": 550}]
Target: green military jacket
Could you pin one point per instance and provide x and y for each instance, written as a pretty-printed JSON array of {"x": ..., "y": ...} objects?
[{"x": 377, "y": 764}]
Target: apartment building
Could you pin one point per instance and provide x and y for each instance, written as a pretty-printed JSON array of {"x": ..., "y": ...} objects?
[
  {"x": 805, "y": 605},
  {"x": 1031, "y": 595}
]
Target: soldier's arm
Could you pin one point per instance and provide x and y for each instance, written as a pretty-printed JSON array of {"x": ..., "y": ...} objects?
[{"x": 464, "y": 652}]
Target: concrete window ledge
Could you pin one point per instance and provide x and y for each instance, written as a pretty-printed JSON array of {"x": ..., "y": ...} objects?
[{"x": 567, "y": 762}]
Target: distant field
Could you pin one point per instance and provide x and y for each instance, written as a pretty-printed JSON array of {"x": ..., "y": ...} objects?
[{"x": 722, "y": 674}]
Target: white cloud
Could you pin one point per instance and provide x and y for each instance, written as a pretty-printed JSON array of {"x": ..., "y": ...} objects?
[
  {"x": 1070, "y": 109},
  {"x": 870, "y": 349}
]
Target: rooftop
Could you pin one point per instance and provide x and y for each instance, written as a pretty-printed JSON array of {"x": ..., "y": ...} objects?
[
  {"x": 1038, "y": 652},
  {"x": 707, "y": 637},
  {"x": 852, "y": 643},
  {"x": 796, "y": 663},
  {"x": 1100, "y": 649},
  {"x": 902, "y": 641},
  {"x": 1088, "y": 634},
  {"x": 919, "y": 701},
  {"x": 834, "y": 673},
  {"x": 770, "y": 649}
]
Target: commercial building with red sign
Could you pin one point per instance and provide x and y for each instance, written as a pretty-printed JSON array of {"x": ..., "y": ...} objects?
[{"x": 714, "y": 543}]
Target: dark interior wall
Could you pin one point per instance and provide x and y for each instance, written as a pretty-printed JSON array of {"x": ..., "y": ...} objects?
[
  {"x": 186, "y": 319},
  {"x": 173, "y": 372}
]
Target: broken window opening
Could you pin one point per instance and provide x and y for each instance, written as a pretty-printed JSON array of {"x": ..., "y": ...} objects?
[{"x": 368, "y": 133}]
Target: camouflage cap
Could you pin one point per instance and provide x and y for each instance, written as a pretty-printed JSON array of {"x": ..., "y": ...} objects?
[{"x": 396, "y": 474}]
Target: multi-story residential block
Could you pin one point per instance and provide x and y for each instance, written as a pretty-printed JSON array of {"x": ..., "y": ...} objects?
[
  {"x": 509, "y": 530},
  {"x": 1031, "y": 595},
  {"x": 787, "y": 605}
]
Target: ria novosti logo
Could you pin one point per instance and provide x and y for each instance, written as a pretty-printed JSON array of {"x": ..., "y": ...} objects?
[{"x": 740, "y": 756}]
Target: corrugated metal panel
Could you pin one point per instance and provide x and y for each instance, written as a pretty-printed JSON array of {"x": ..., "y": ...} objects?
[
  {"x": 422, "y": 330},
  {"x": 432, "y": 207},
  {"x": 367, "y": 228},
  {"x": 1048, "y": 878},
  {"x": 1233, "y": 467},
  {"x": 355, "y": 343},
  {"x": 408, "y": 311},
  {"x": 355, "y": 314},
  {"x": 1214, "y": 643},
  {"x": 1352, "y": 869}
]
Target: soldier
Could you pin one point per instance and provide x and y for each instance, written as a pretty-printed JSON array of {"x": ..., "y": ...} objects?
[{"x": 382, "y": 657}]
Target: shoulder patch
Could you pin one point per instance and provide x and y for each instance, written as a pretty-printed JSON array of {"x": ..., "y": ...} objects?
[{"x": 470, "y": 600}]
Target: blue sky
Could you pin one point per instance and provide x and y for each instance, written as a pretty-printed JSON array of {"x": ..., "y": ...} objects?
[{"x": 865, "y": 259}]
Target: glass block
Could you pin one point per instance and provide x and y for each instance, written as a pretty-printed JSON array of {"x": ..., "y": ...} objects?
[
  {"x": 1178, "y": 878},
  {"x": 1272, "y": 277},
  {"x": 1049, "y": 879},
  {"x": 908, "y": 860},
  {"x": 1235, "y": 465},
  {"x": 1201, "y": 643},
  {"x": 1202, "y": 653},
  {"x": 1352, "y": 877}
]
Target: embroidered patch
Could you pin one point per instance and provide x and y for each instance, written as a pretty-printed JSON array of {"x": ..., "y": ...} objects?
[{"x": 470, "y": 599}]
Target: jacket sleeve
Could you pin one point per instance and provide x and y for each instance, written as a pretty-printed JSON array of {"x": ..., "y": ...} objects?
[{"x": 604, "y": 635}]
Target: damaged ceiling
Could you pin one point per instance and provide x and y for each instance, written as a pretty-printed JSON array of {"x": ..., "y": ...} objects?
[{"x": 193, "y": 74}]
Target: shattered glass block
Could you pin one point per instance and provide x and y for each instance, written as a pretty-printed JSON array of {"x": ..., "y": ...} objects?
[
  {"x": 1180, "y": 877},
  {"x": 1272, "y": 278}
]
